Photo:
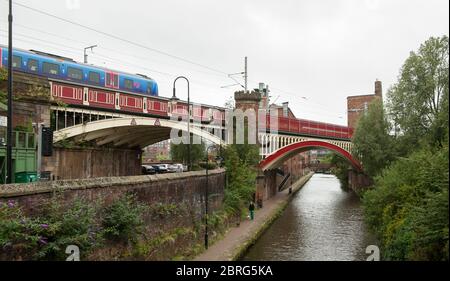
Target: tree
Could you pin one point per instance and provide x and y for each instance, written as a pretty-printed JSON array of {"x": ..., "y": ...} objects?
[
  {"x": 408, "y": 205},
  {"x": 340, "y": 170},
  {"x": 241, "y": 177},
  {"x": 408, "y": 208},
  {"x": 179, "y": 153},
  {"x": 372, "y": 141},
  {"x": 229, "y": 103},
  {"x": 418, "y": 102}
]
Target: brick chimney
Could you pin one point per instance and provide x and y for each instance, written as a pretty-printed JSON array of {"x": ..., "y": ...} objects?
[
  {"x": 378, "y": 89},
  {"x": 285, "y": 109}
]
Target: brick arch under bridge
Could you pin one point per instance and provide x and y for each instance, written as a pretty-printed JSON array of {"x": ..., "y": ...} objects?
[
  {"x": 278, "y": 157},
  {"x": 130, "y": 132}
]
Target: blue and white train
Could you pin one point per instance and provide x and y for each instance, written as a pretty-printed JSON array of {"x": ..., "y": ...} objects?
[{"x": 66, "y": 69}]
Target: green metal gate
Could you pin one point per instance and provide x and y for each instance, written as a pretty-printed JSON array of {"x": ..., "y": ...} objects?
[{"x": 23, "y": 155}]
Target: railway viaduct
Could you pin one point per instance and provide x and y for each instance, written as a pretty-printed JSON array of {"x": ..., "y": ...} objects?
[{"x": 94, "y": 142}]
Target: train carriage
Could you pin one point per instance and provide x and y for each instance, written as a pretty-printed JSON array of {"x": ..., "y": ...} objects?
[{"x": 69, "y": 71}]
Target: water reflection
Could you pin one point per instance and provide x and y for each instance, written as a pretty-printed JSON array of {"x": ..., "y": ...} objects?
[{"x": 321, "y": 223}]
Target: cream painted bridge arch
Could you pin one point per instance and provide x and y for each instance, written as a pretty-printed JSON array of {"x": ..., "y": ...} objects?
[
  {"x": 130, "y": 131},
  {"x": 276, "y": 149}
]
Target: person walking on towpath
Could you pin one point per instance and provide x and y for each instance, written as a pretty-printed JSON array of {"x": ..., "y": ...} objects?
[{"x": 251, "y": 208}]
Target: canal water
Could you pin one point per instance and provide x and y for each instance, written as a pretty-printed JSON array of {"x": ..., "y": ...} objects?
[{"x": 321, "y": 223}]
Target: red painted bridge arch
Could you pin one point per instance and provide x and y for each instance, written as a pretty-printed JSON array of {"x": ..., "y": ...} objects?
[{"x": 280, "y": 156}]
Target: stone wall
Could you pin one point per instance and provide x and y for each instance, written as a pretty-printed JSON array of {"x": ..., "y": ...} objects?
[
  {"x": 185, "y": 190},
  {"x": 31, "y": 99},
  {"x": 85, "y": 163}
]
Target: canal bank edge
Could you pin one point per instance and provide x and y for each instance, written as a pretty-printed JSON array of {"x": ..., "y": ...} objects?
[{"x": 240, "y": 252}]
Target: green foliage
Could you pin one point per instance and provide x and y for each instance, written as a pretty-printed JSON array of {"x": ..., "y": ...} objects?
[
  {"x": 418, "y": 102},
  {"x": 76, "y": 225},
  {"x": 3, "y": 97},
  {"x": 163, "y": 210},
  {"x": 371, "y": 140},
  {"x": 340, "y": 170},
  {"x": 16, "y": 228},
  {"x": 3, "y": 74},
  {"x": 408, "y": 208},
  {"x": 240, "y": 163},
  {"x": 408, "y": 205},
  {"x": 47, "y": 236},
  {"x": 61, "y": 103},
  {"x": 162, "y": 157},
  {"x": 123, "y": 219},
  {"x": 28, "y": 127},
  {"x": 147, "y": 247},
  {"x": 179, "y": 152},
  {"x": 209, "y": 165}
]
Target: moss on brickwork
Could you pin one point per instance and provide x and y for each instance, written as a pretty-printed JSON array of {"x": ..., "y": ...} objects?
[
  {"x": 3, "y": 74},
  {"x": 26, "y": 87}
]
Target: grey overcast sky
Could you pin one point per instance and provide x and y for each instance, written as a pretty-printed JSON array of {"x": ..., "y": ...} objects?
[{"x": 311, "y": 53}]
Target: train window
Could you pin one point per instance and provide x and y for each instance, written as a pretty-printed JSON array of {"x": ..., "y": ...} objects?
[
  {"x": 112, "y": 80},
  {"x": 149, "y": 88},
  {"x": 128, "y": 83},
  {"x": 108, "y": 79},
  {"x": 17, "y": 61},
  {"x": 50, "y": 68},
  {"x": 94, "y": 77},
  {"x": 74, "y": 73},
  {"x": 33, "y": 65}
]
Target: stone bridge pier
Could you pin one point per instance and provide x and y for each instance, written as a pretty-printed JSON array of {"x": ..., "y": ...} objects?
[{"x": 358, "y": 180}]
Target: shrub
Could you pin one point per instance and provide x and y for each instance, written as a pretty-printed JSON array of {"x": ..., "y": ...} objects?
[
  {"x": 16, "y": 235},
  {"x": 46, "y": 237},
  {"x": 124, "y": 219},
  {"x": 408, "y": 208},
  {"x": 60, "y": 227},
  {"x": 162, "y": 210},
  {"x": 209, "y": 165}
]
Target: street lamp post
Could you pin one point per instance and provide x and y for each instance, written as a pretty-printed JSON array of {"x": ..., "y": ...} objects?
[
  {"x": 189, "y": 117},
  {"x": 207, "y": 195},
  {"x": 9, "y": 132}
]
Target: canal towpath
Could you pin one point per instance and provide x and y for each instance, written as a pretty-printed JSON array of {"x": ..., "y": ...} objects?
[{"x": 238, "y": 239}]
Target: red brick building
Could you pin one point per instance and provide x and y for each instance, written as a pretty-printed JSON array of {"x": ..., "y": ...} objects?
[
  {"x": 357, "y": 105},
  {"x": 156, "y": 152}
]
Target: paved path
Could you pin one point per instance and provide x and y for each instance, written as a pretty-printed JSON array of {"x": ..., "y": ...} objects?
[{"x": 235, "y": 238}]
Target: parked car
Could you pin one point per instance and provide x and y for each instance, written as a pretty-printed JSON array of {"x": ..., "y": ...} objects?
[
  {"x": 161, "y": 168},
  {"x": 148, "y": 170},
  {"x": 175, "y": 168}
]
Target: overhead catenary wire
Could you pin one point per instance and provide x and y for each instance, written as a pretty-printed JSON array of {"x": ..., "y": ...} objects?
[
  {"x": 115, "y": 37},
  {"x": 108, "y": 59},
  {"x": 110, "y": 35},
  {"x": 114, "y": 60}
]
